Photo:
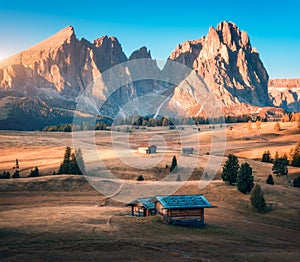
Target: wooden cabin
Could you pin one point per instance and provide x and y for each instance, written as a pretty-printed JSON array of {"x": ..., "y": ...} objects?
[
  {"x": 142, "y": 207},
  {"x": 187, "y": 151},
  {"x": 147, "y": 149},
  {"x": 182, "y": 209}
]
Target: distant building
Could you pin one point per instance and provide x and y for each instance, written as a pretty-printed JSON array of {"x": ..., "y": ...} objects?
[
  {"x": 142, "y": 207},
  {"x": 187, "y": 151},
  {"x": 182, "y": 209},
  {"x": 147, "y": 149}
]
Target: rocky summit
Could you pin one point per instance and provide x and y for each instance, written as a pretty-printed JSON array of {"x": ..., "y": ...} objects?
[
  {"x": 230, "y": 66},
  {"x": 40, "y": 86}
]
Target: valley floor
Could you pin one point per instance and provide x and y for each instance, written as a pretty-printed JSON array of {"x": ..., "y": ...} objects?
[{"x": 54, "y": 218}]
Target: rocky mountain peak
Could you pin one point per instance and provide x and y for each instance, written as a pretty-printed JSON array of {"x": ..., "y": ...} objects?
[
  {"x": 140, "y": 54},
  {"x": 226, "y": 61},
  {"x": 108, "y": 52},
  {"x": 232, "y": 36}
]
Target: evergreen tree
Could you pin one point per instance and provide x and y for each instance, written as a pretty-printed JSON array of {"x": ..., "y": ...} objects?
[
  {"x": 230, "y": 169},
  {"x": 295, "y": 156},
  {"x": 245, "y": 178},
  {"x": 174, "y": 164},
  {"x": 280, "y": 167},
  {"x": 17, "y": 170},
  {"x": 257, "y": 199},
  {"x": 73, "y": 167},
  {"x": 34, "y": 173},
  {"x": 270, "y": 180},
  {"x": 65, "y": 165},
  {"x": 266, "y": 157},
  {"x": 140, "y": 178},
  {"x": 80, "y": 161},
  {"x": 5, "y": 175}
]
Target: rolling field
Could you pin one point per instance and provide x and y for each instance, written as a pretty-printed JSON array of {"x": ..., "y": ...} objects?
[{"x": 64, "y": 218}]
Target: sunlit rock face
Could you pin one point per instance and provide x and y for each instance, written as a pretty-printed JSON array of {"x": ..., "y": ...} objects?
[
  {"x": 285, "y": 93},
  {"x": 40, "y": 86},
  {"x": 229, "y": 65}
]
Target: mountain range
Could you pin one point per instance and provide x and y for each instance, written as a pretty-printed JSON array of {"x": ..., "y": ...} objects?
[{"x": 40, "y": 86}]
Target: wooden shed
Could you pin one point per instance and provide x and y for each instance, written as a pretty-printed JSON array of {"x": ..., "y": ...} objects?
[
  {"x": 142, "y": 207},
  {"x": 147, "y": 149},
  {"x": 182, "y": 209},
  {"x": 187, "y": 151}
]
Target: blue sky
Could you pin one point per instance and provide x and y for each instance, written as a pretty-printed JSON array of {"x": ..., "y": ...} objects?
[{"x": 273, "y": 26}]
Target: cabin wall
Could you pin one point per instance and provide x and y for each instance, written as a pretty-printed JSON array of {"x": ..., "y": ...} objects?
[
  {"x": 160, "y": 209},
  {"x": 187, "y": 214}
]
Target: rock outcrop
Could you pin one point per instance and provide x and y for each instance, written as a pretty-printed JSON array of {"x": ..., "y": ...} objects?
[
  {"x": 228, "y": 64},
  {"x": 285, "y": 93}
]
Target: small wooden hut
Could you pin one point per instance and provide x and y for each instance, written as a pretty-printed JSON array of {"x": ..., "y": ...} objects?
[
  {"x": 147, "y": 149},
  {"x": 182, "y": 209},
  {"x": 142, "y": 207},
  {"x": 187, "y": 151}
]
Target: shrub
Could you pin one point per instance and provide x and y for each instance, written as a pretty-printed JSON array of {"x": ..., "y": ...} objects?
[
  {"x": 257, "y": 199},
  {"x": 230, "y": 169},
  {"x": 270, "y": 180},
  {"x": 140, "y": 178}
]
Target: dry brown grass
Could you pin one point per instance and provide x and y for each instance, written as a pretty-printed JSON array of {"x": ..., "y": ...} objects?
[{"x": 64, "y": 218}]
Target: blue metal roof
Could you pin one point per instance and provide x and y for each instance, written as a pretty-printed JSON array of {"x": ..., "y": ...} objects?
[
  {"x": 183, "y": 201},
  {"x": 146, "y": 202}
]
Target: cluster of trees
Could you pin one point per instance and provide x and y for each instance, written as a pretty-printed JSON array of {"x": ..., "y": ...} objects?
[
  {"x": 291, "y": 117},
  {"x": 242, "y": 176},
  {"x": 233, "y": 173},
  {"x": 71, "y": 127},
  {"x": 6, "y": 175},
  {"x": 293, "y": 159},
  {"x": 72, "y": 163},
  {"x": 280, "y": 164}
]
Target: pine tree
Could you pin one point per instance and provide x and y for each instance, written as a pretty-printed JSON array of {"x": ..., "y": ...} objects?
[
  {"x": 280, "y": 167},
  {"x": 245, "y": 178},
  {"x": 17, "y": 170},
  {"x": 295, "y": 156},
  {"x": 270, "y": 180},
  {"x": 80, "y": 161},
  {"x": 257, "y": 199},
  {"x": 140, "y": 178},
  {"x": 174, "y": 164},
  {"x": 230, "y": 169},
  {"x": 266, "y": 157},
  {"x": 34, "y": 173},
  {"x": 65, "y": 165}
]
